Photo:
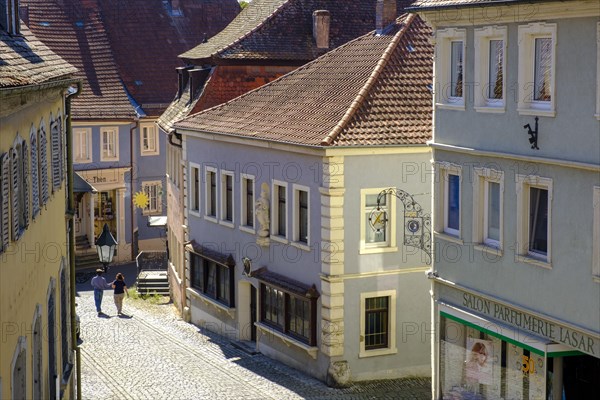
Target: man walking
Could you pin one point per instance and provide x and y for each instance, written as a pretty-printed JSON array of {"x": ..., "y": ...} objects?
[{"x": 99, "y": 284}]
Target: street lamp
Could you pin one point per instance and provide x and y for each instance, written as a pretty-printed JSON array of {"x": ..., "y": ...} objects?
[{"x": 105, "y": 244}]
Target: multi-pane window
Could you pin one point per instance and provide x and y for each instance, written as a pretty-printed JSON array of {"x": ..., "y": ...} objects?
[
  {"x": 301, "y": 217},
  {"x": 227, "y": 196},
  {"x": 488, "y": 187},
  {"x": 543, "y": 69},
  {"x": 489, "y": 68},
  {"x": 82, "y": 145},
  {"x": 211, "y": 192},
  {"x": 194, "y": 188},
  {"x": 109, "y": 144},
  {"x": 247, "y": 201},
  {"x": 377, "y": 225},
  {"x": 376, "y": 322},
  {"x": 452, "y": 206},
  {"x": 492, "y": 212},
  {"x": 149, "y": 139},
  {"x": 456, "y": 69},
  {"x": 212, "y": 279},
  {"x": 288, "y": 312},
  {"x": 153, "y": 191},
  {"x": 538, "y": 221}
]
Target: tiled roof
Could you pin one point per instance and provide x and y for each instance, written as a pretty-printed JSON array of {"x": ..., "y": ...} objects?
[
  {"x": 146, "y": 38},
  {"x": 431, "y": 4},
  {"x": 282, "y": 30},
  {"x": 24, "y": 60},
  {"x": 74, "y": 30},
  {"x": 371, "y": 91}
]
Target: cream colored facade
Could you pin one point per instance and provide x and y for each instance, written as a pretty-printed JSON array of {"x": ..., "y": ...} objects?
[{"x": 34, "y": 272}]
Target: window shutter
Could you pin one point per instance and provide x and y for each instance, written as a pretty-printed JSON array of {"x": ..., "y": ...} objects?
[
  {"x": 43, "y": 167},
  {"x": 14, "y": 192},
  {"x": 55, "y": 138},
  {"x": 4, "y": 195},
  {"x": 24, "y": 182},
  {"x": 35, "y": 189},
  {"x": 61, "y": 155}
]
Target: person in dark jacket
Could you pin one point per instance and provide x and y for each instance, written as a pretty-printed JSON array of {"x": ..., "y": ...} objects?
[{"x": 120, "y": 289}]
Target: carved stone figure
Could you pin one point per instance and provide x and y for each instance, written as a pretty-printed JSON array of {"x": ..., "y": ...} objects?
[{"x": 262, "y": 215}]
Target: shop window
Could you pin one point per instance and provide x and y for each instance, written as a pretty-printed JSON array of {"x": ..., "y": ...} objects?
[
  {"x": 534, "y": 219},
  {"x": 194, "y": 189},
  {"x": 109, "y": 144},
  {"x": 488, "y": 191},
  {"x": 227, "y": 196},
  {"x": 82, "y": 145},
  {"x": 450, "y": 61},
  {"x": 247, "y": 203},
  {"x": 537, "y": 71},
  {"x": 378, "y": 323},
  {"x": 377, "y": 226},
  {"x": 490, "y": 67},
  {"x": 279, "y": 210},
  {"x": 213, "y": 280}
]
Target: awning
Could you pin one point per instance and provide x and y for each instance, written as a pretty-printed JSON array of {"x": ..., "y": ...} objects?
[
  {"x": 80, "y": 185},
  {"x": 159, "y": 221}
]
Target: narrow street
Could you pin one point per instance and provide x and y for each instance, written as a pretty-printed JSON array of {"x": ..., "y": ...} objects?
[{"x": 150, "y": 353}]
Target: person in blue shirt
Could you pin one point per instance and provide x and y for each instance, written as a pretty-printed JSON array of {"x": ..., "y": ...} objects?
[{"x": 99, "y": 284}]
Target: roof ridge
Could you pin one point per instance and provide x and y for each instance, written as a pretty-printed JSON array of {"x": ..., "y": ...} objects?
[
  {"x": 256, "y": 28},
  {"x": 364, "y": 91}
]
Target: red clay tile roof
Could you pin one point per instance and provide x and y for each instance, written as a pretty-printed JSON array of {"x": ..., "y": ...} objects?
[
  {"x": 146, "y": 37},
  {"x": 24, "y": 60},
  {"x": 432, "y": 4},
  {"x": 74, "y": 30},
  {"x": 371, "y": 91},
  {"x": 282, "y": 30}
]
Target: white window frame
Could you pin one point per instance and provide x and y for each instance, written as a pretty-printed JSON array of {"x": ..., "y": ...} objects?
[
  {"x": 223, "y": 221},
  {"x": 527, "y": 35},
  {"x": 443, "y": 169},
  {"x": 524, "y": 183},
  {"x": 596, "y": 236},
  {"x": 296, "y": 217},
  {"x": 115, "y": 131},
  {"x": 243, "y": 207},
  {"x": 391, "y": 349},
  {"x": 483, "y": 38},
  {"x": 443, "y": 55},
  {"x": 275, "y": 211},
  {"x": 195, "y": 191},
  {"x": 77, "y": 145},
  {"x": 152, "y": 132},
  {"x": 482, "y": 178},
  {"x": 148, "y": 210},
  {"x": 598, "y": 71},
  {"x": 381, "y": 247},
  {"x": 207, "y": 194}
]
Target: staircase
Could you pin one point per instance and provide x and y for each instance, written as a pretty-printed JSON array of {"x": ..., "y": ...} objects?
[
  {"x": 85, "y": 256},
  {"x": 152, "y": 273}
]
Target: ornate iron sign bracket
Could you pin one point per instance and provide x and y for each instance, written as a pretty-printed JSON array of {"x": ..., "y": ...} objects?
[{"x": 417, "y": 224}]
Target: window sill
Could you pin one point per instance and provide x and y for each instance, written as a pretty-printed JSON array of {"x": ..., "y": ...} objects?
[
  {"x": 149, "y": 153},
  {"x": 377, "y": 250},
  {"x": 195, "y": 213},
  {"x": 537, "y": 112},
  {"x": 280, "y": 239},
  {"x": 221, "y": 308},
  {"x": 376, "y": 353},
  {"x": 596, "y": 279},
  {"x": 82, "y": 161},
  {"x": 449, "y": 238},
  {"x": 247, "y": 229},
  {"x": 227, "y": 224},
  {"x": 211, "y": 219},
  {"x": 450, "y": 106},
  {"x": 267, "y": 330},
  {"x": 301, "y": 246},
  {"x": 534, "y": 261},
  {"x": 109, "y": 159},
  {"x": 489, "y": 249},
  {"x": 491, "y": 109}
]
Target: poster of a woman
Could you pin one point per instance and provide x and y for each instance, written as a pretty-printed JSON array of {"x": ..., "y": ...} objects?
[{"x": 479, "y": 361}]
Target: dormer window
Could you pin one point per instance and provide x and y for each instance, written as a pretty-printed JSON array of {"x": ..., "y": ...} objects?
[{"x": 10, "y": 20}]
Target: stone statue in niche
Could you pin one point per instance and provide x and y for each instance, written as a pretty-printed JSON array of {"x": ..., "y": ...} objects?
[{"x": 262, "y": 215}]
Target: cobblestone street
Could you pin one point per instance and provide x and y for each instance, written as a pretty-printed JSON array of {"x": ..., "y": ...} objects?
[{"x": 152, "y": 354}]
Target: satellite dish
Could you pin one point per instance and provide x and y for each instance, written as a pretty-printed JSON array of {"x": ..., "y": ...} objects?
[{"x": 247, "y": 266}]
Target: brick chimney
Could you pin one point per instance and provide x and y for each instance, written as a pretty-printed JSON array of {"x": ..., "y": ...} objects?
[
  {"x": 321, "y": 20},
  {"x": 386, "y": 14}
]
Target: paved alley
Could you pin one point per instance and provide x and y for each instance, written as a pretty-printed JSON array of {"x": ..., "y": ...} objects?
[{"x": 150, "y": 353}]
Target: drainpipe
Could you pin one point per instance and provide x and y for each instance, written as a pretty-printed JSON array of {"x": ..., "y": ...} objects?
[
  {"x": 70, "y": 215},
  {"x": 133, "y": 128}
]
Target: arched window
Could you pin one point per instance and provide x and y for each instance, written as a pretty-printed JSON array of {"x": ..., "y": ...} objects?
[{"x": 19, "y": 370}]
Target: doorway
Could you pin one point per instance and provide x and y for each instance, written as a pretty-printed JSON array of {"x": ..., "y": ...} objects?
[
  {"x": 252, "y": 313},
  {"x": 580, "y": 377}
]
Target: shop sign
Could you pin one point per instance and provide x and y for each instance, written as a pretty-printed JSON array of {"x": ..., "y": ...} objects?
[{"x": 532, "y": 324}]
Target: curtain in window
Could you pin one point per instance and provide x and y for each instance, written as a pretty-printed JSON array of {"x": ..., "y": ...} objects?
[
  {"x": 456, "y": 73},
  {"x": 496, "y": 74},
  {"x": 543, "y": 70}
]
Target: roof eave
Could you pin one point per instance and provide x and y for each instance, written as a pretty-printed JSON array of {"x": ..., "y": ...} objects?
[{"x": 413, "y": 9}]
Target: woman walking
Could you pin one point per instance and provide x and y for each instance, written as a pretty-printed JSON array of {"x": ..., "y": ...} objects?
[{"x": 120, "y": 290}]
